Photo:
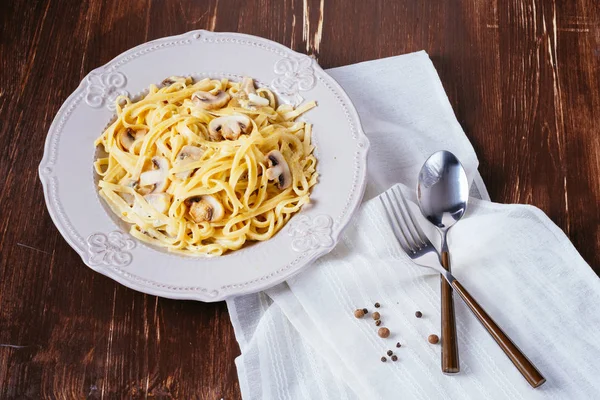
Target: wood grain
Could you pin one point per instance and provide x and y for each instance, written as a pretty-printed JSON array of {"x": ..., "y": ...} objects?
[{"x": 522, "y": 77}]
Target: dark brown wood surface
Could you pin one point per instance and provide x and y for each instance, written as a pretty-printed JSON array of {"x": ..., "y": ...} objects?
[{"x": 523, "y": 78}]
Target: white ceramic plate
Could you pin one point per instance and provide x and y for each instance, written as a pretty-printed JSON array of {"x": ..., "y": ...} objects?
[{"x": 102, "y": 240}]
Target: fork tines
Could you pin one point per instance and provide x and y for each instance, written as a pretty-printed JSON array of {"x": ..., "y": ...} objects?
[{"x": 407, "y": 231}]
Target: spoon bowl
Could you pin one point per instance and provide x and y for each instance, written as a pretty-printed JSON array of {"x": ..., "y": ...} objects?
[{"x": 443, "y": 190}]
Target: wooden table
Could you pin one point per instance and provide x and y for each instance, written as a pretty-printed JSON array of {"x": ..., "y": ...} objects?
[{"x": 522, "y": 77}]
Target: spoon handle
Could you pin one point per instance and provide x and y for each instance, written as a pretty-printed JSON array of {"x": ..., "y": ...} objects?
[
  {"x": 450, "y": 359},
  {"x": 525, "y": 367}
]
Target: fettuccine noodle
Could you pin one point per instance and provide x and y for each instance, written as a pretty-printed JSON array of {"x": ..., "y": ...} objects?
[{"x": 202, "y": 168}]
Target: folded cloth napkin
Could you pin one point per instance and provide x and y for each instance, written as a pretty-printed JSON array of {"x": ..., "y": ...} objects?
[{"x": 300, "y": 339}]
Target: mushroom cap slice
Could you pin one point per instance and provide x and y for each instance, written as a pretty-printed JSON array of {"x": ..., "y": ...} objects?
[
  {"x": 229, "y": 127},
  {"x": 132, "y": 183},
  {"x": 126, "y": 137},
  {"x": 188, "y": 151},
  {"x": 150, "y": 177},
  {"x": 256, "y": 100},
  {"x": 187, "y": 155},
  {"x": 140, "y": 134},
  {"x": 278, "y": 170},
  {"x": 209, "y": 101},
  {"x": 159, "y": 201},
  {"x": 158, "y": 177},
  {"x": 176, "y": 79},
  {"x": 206, "y": 209},
  {"x": 247, "y": 96},
  {"x": 128, "y": 198},
  {"x": 247, "y": 86}
]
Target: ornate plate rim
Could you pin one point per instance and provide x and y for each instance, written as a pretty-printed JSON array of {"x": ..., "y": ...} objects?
[{"x": 144, "y": 285}]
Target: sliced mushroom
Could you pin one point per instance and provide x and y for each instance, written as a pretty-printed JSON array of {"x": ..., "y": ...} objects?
[
  {"x": 209, "y": 101},
  {"x": 278, "y": 170},
  {"x": 229, "y": 127},
  {"x": 157, "y": 177},
  {"x": 140, "y": 134},
  {"x": 176, "y": 79},
  {"x": 206, "y": 209},
  {"x": 247, "y": 86},
  {"x": 159, "y": 201},
  {"x": 187, "y": 155},
  {"x": 128, "y": 136},
  {"x": 247, "y": 97},
  {"x": 129, "y": 198},
  {"x": 256, "y": 100}
]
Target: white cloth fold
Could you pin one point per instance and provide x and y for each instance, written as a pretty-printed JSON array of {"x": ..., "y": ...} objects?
[{"x": 300, "y": 340}]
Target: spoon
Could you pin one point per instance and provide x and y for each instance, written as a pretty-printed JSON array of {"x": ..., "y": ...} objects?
[{"x": 443, "y": 193}]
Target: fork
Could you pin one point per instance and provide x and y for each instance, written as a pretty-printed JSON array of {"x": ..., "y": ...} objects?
[{"x": 418, "y": 247}]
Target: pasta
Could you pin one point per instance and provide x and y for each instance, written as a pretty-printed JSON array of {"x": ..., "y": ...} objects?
[{"x": 203, "y": 167}]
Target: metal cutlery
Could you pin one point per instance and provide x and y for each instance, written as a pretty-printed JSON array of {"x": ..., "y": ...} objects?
[
  {"x": 418, "y": 247},
  {"x": 443, "y": 194}
]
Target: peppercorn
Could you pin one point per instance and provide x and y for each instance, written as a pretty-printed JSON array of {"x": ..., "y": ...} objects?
[
  {"x": 433, "y": 339},
  {"x": 383, "y": 359},
  {"x": 394, "y": 358},
  {"x": 418, "y": 314},
  {"x": 398, "y": 344},
  {"x": 359, "y": 313},
  {"x": 376, "y": 315},
  {"x": 378, "y": 322},
  {"x": 383, "y": 332},
  {"x": 389, "y": 352},
  {"x": 365, "y": 310},
  {"x": 377, "y": 305}
]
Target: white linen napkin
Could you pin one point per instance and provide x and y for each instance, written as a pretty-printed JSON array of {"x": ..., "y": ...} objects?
[{"x": 300, "y": 340}]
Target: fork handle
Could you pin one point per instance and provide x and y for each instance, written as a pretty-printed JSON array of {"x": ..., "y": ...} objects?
[
  {"x": 450, "y": 360},
  {"x": 526, "y": 367}
]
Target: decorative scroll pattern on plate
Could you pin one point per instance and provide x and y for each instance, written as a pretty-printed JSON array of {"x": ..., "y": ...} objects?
[
  {"x": 104, "y": 89},
  {"x": 295, "y": 74},
  {"x": 310, "y": 234},
  {"x": 111, "y": 250}
]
